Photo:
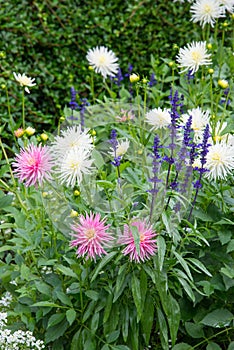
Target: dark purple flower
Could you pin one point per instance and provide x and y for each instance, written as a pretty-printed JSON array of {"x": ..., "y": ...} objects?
[{"x": 152, "y": 81}]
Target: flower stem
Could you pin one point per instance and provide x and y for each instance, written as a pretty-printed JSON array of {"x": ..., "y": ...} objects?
[{"x": 23, "y": 110}]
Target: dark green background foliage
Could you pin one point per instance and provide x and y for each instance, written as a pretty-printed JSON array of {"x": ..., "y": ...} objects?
[{"x": 49, "y": 40}]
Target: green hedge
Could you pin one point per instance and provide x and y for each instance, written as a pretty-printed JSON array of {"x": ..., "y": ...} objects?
[{"x": 49, "y": 40}]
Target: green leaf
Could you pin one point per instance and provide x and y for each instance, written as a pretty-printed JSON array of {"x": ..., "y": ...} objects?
[
  {"x": 43, "y": 288},
  {"x": 108, "y": 308},
  {"x": 63, "y": 298},
  {"x": 71, "y": 316},
  {"x": 161, "y": 251},
  {"x": 231, "y": 346},
  {"x": 195, "y": 330},
  {"x": 113, "y": 336},
  {"x": 76, "y": 340},
  {"x": 136, "y": 237},
  {"x": 55, "y": 319},
  {"x": 136, "y": 293},
  {"x": 55, "y": 332},
  {"x": 107, "y": 258},
  {"x": 95, "y": 322},
  {"x": 163, "y": 330},
  {"x": 218, "y": 318},
  {"x": 89, "y": 310},
  {"x": 198, "y": 264},
  {"x": 66, "y": 271},
  {"x": 46, "y": 304},
  {"x": 98, "y": 159},
  {"x": 184, "y": 264},
  {"x": 230, "y": 246},
  {"x": 147, "y": 318},
  {"x": 213, "y": 346},
  {"x": 92, "y": 294},
  {"x": 6, "y": 201},
  {"x": 187, "y": 288}
]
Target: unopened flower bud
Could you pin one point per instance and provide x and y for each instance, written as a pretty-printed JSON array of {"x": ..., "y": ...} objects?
[
  {"x": 76, "y": 193},
  {"x": 93, "y": 132},
  {"x": 134, "y": 78},
  {"x": 144, "y": 81},
  {"x": 223, "y": 83},
  {"x": 44, "y": 137},
  {"x": 19, "y": 132},
  {"x": 30, "y": 131},
  {"x": 211, "y": 71},
  {"x": 209, "y": 46},
  {"x": 73, "y": 213},
  {"x": 62, "y": 119},
  {"x": 90, "y": 68}
]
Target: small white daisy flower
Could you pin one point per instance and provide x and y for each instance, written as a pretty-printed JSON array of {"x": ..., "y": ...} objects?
[
  {"x": 24, "y": 81},
  {"x": 158, "y": 118},
  {"x": 228, "y": 5},
  {"x": 75, "y": 164},
  {"x": 200, "y": 119},
  {"x": 71, "y": 138},
  {"x": 121, "y": 148},
  {"x": 103, "y": 61},
  {"x": 193, "y": 56},
  {"x": 219, "y": 161},
  {"x": 206, "y": 11}
]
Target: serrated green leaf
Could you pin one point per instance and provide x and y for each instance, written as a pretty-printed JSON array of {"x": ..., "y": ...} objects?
[{"x": 55, "y": 319}]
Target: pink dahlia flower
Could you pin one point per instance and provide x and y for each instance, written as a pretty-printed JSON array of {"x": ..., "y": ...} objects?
[
  {"x": 33, "y": 165},
  {"x": 91, "y": 236},
  {"x": 147, "y": 243}
]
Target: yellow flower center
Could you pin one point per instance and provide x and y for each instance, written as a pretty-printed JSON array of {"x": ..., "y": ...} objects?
[
  {"x": 196, "y": 56},
  {"x": 102, "y": 60},
  {"x": 74, "y": 165},
  {"x": 90, "y": 233},
  {"x": 142, "y": 237},
  {"x": 207, "y": 9},
  {"x": 31, "y": 161},
  {"x": 217, "y": 157}
]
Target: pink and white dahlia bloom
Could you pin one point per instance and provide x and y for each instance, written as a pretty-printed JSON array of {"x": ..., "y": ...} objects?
[
  {"x": 147, "y": 243},
  {"x": 33, "y": 165},
  {"x": 91, "y": 236}
]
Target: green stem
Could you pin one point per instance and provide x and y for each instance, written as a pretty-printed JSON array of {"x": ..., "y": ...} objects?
[
  {"x": 9, "y": 189},
  {"x": 8, "y": 163},
  {"x": 9, "y": 111},
  {"x": 23, "y": 110}
]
